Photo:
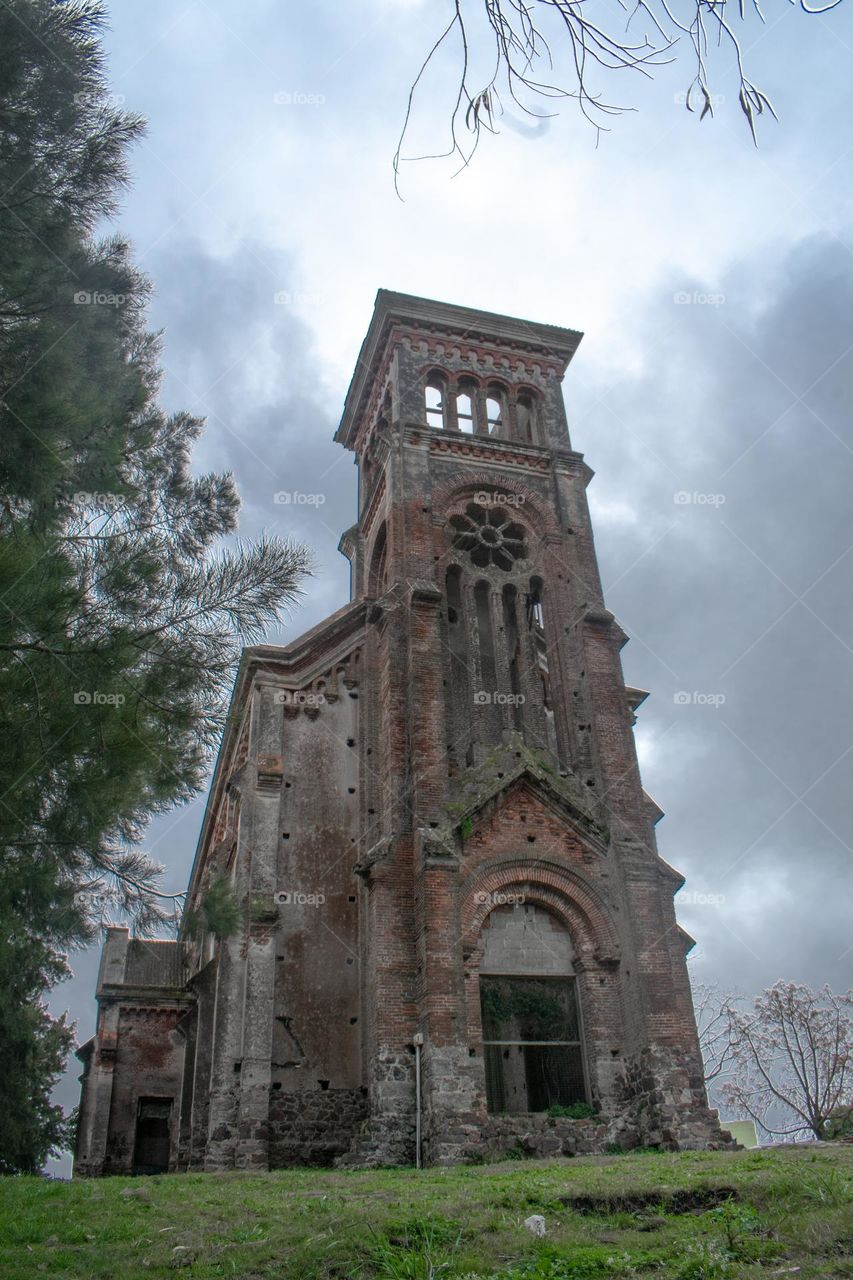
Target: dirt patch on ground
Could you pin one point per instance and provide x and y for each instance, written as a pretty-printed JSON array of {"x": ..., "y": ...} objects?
[{"x": 696, "y": 1200}]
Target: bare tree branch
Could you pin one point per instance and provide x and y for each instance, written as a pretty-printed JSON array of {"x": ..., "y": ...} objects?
[
  {"x": 715, "y": 1012},
  {"x": 521, "y": 63},
  {"x": 792, "y": 1060}
]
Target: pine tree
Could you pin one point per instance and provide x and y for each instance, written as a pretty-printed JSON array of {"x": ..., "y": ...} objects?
[
  {"x": 121, "y": 615},
  {"x": 36, "y": 918}
]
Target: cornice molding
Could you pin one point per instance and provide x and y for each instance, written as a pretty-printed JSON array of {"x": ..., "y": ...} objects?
[{"x": 554, "y": 345}]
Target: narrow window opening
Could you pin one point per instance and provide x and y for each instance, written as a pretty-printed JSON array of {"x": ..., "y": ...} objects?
[
  {"x": 494, "y": 414},
  {"x": 513, "y": 646},
  {"x": 377, "y": 578},
  {"x": 434, "y": 402},
  {"x": 457, "y": 644},
  {"x": 536, "y": 623},
  {"x": 488, "y": 674},
  {"x": 465, "y": 412},
  {"x": 536, "y": 606}
]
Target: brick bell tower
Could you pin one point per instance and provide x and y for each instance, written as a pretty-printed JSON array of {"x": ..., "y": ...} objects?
[{"x": 517, "y": 928}]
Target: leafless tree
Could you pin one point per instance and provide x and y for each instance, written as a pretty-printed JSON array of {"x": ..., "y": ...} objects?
[
  {"x": 792, "y": 1058},
  {"x": 511, "y": 38},
  {"x": 715, "y": 1022}
]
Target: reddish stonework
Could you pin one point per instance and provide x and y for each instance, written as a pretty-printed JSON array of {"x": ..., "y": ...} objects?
[{"x": 430, "y": 811}]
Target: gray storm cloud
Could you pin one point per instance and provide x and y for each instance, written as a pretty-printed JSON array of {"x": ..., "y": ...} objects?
[{"x": 733, "y": 452}]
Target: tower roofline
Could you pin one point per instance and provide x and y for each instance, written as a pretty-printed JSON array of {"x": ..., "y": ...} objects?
[{"x": 560, "y": 344}]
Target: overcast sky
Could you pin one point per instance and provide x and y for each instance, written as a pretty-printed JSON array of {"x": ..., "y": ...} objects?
[{"x": 711, "y": 394}]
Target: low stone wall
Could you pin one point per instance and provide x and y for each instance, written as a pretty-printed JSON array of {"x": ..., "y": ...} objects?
[
  {"x": 540, "y": 1136},
  {"x": 313, "y": 1128},
  {"x": 665, "y": 1104},
  {"x": 660, "y": 1102}
]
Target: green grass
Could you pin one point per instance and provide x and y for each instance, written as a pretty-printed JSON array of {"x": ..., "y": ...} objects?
[{"x": 691, "y": 1216}]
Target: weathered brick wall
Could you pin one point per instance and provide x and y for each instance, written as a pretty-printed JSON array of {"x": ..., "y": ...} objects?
[
  {"x": 148, "y": 1063},
  {"x": 598, "y": 870}
]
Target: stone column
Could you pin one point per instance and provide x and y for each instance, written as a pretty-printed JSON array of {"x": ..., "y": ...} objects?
[
  {"x": 448, "y": 1098},
  {"x": 387, "y": 945},
  {"x": 205, "y": 988},
  {"x": 225, "y": 1061},
  {"x": 91, "y": 1154},
  {"x": 259, "y": 1002},
  {"x": 481, "y": 412},
  {"x": 91, "y": 1151},
  {"x": 454, "y": 1105},
  {"x": 618, "y": 784},
  {"x": 427, "y": 719},
  {"x": 230, "y": 988},
  {"x": 188, "y": 1028}
]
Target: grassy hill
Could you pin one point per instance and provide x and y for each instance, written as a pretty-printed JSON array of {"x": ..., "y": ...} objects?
[{"x": 691, "y": 1216}]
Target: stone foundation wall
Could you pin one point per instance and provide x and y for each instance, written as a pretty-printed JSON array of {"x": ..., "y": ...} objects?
[
  {"x": 454, "y": 1105},
  {"x": 541, "y": 1136},
  {"x": 665, "y": 1103},
  {"x": 387, "y": 1136},
  {"x": 661, "y": 1103},
  {"x": 313, "y": 1128}
]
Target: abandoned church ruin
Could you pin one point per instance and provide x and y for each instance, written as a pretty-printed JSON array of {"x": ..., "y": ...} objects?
[{"x": 455, "y": 925}]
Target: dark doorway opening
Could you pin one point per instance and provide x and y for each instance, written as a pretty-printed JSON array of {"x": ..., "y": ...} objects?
[
  {"x": 153, "y": 1136},
  {"x": 531, "y": 1037}
]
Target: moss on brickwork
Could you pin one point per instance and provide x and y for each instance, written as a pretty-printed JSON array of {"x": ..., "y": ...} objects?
[{"x": 498, "y": 772}]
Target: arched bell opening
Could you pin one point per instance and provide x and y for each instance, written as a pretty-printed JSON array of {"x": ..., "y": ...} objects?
[{"x": 435, "y": 400}]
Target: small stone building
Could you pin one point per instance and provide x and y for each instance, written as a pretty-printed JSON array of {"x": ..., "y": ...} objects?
[{"x": 457, "y": 935}]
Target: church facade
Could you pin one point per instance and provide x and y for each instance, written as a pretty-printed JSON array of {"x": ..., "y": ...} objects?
[{"x": 457, "y": 937}]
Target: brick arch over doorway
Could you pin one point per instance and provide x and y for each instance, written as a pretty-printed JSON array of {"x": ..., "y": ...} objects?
[{"x": 578, "y": 908}]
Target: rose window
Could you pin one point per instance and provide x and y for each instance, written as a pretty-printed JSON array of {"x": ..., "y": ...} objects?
[{"x": 489, "y": 535}]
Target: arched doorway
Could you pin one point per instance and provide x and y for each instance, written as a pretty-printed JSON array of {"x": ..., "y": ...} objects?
[{"x": 532, "y": 1035}]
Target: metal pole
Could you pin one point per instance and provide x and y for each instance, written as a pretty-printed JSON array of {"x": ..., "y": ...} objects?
[{"x": 418, "y": 1039}]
